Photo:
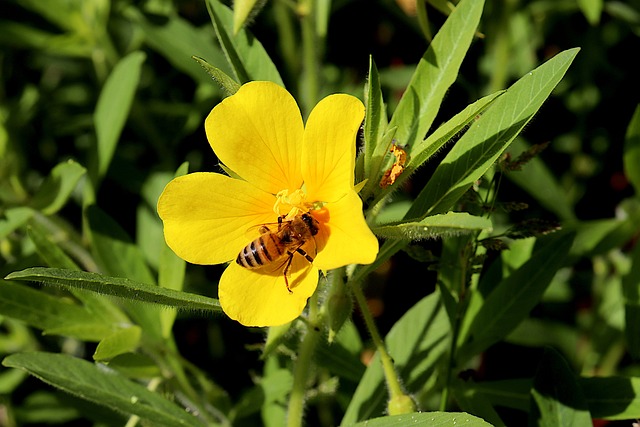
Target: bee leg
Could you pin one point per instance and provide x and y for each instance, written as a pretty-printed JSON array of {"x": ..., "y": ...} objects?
[
  {"x": 304, "y": 254},
  {"x": 286, "y": 271}
]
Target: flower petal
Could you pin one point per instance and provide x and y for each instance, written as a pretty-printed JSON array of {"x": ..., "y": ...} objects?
[
  {"x": 206, "y": 216},
  {"x": 329, "y": 154},
  {"x": 346, "y": 236},
  {"x": 255, "y": 298},
  {"x": 257, "y": 132}
]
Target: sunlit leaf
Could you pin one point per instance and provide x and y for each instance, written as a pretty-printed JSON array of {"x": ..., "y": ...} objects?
[
  {"x": 120, "y": 287},
  {"x": 436, "y": 72},
  {"x": 426, "y": 419},
  {"x": 491, "y": 317},
  {"x": 121, "y": 341},
  {"x": 436, "y": 226},
  {"x": 245, "y": 54}
]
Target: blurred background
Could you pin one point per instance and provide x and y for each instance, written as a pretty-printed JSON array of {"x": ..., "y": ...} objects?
[{"x": 56, "y": 55}]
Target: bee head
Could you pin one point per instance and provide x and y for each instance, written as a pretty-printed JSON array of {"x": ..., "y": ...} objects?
[{"x": 311, "y": 222}]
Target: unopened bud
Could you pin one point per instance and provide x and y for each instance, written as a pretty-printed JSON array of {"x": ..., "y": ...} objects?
[{"x": 402, "y": 404}]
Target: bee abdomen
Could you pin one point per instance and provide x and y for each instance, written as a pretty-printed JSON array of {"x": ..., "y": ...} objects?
[{"x": 256, "y": 253}]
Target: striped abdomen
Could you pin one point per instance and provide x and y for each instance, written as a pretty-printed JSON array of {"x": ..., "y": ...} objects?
[{"x": 262, "y": 251}]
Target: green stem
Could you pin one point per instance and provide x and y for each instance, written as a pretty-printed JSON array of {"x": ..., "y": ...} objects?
[
  {"x": 295, "y": 411},
  {"x": 391, "y": 377}
]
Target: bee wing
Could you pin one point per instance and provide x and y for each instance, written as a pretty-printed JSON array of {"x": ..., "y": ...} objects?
[{"x": 256, "y": 230}]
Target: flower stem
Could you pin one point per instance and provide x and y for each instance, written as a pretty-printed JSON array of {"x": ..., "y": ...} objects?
[
  {"x": 295, "y": 411},
  {"x": 396, "y": 392}
]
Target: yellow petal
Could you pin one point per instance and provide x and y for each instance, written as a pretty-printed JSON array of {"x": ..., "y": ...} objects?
[
  {"x": 206, "y": 216},
  {"x": 346, "y": 236},
  {"x": 260, "y": 298},
  {"x": 257, "y": 132},
  {"x": 328, "y": 159}
]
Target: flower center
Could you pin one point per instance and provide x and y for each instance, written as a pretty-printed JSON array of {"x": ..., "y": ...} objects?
[{"x": 292, "y": 204}]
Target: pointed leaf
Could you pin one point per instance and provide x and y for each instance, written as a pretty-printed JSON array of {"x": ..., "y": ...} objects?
[
  {"x": 513, "y": 298},
  {"x": 489, "y": 136},
  {"x": 375, "y": 123},
  {"x": 245, "y": 54},
  {"x": 123, "y": 288},
  {"x": 113, "y": 107},
  {"x": 435, "y": 226},
  {"x": 100, "y": 385},
  {"x": 436, "y": 72},
  {"x": 120, "y": 342},
  {"x": 226, "y": 83}
]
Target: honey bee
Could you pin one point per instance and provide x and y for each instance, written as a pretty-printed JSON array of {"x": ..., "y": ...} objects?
[{"x": 281, "y": 243}]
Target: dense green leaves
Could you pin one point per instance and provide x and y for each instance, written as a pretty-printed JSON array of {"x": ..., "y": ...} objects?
[
  {"x": 101, "y": 386},
  {"x": 491, "y": 317},
  {"x": 489, "y": 136}
]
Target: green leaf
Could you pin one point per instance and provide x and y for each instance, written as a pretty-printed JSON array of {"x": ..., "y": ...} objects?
[
  {"x": 113, "y": 248},
  {"x": 592, "y": 9},
  {"x": 612, "y": 398},
  {"x": 436, "y": 72},
  {"x": 179, "y": 41},
  {"x": 490, "y": 318},
  {"x": 436, "y": 226},
  {"x": 50, "y": 252},
  {"x": 557, "y": 399},
  {"x": 102, "y": 386},
  {"x": 14, "y": 218},
  {"x": 631, "y": 291},
  {"x": 416, "y": 343},
  {"x": 56, "y": 189},
  {"x": 102, "y": 309},
  {"x": 120, "y": 342},
  {"x": 119, "y": 287},
  {"x": 537, "y": 180},
  {"x": 608, "y": 398},
  {"x": 375, "y": 123},
  {"x": 426, "y": 419},
  {"x": 424, "y": 150},
  {"x": 489, "y": 136},
  {"x": 632, "y": 151},
  {"x": 245, "y": 54},
  {"x": 226, "y": 83},
  {"x": 51, "y": 314},
  {"x": 243, "y": 11},
  {"x": 113, "y": 107}
]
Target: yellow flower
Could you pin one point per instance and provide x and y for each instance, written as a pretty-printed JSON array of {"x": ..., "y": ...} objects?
[{"x": 280, "y": 168}]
